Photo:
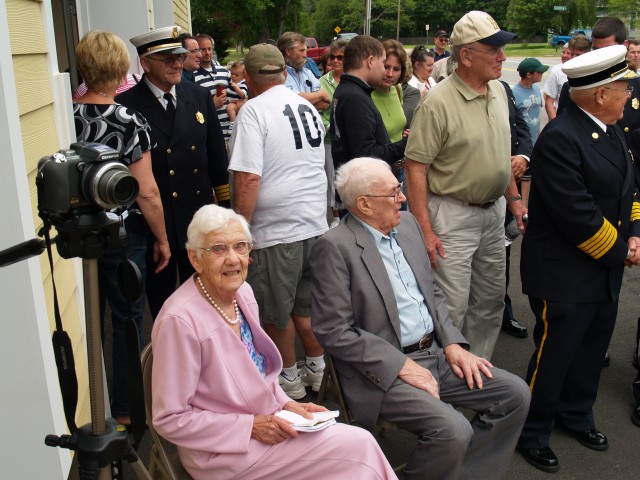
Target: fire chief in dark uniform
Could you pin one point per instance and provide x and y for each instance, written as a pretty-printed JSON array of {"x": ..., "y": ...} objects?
[
  {"x": 190, "y": 159},
  {"x": 582, "y": 231}
]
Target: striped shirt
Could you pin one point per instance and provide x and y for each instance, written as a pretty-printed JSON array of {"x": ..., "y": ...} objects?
[{"x": 210, "y": 80}]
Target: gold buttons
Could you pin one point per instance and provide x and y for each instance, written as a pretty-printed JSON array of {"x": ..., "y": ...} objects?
[
  {"x": 175, "y": 194},
  {"x": 195, "y": 170},
  {"x": 595, "y": 136},
  {"x": 168, "y": 150},
  {"x": 619, "y": 223},
  {"x": 626, "y": 129},
  {"x": 197, "y": 192},
  {"x": 193, "y": 148},
  {"x": 172, "y": 172}
]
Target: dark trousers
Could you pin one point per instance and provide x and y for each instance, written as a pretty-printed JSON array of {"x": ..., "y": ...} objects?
[
  {"x": 564, "y": 370},
  {"x": 161, "y": 285},
  {"x": 108, "y": 264},
  {"x": 636, "y": 361}
]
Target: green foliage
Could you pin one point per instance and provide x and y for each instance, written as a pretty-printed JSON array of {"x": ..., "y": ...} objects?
[{"x": 535, "y": 17}]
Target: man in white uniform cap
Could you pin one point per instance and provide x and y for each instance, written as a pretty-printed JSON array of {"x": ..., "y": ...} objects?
[
  {"x": 190, "y": 158},
  {"x": 583, "y": 230}
]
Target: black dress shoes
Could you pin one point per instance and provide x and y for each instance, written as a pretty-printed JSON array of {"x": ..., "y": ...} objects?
[
  {"x": 635, "y": 416},
  {"x": 592, "y": 439},
  {"x": 542, "y": 458},
  {"x": 514, "y": 328}
]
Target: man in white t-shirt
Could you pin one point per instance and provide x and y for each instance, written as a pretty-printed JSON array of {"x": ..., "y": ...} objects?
[
  {"x": 279, "y": 185},
  {"x": 553, "y": 86}
]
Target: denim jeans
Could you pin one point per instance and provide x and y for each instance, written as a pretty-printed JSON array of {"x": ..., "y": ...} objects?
[{"x": 109, "y": 291}]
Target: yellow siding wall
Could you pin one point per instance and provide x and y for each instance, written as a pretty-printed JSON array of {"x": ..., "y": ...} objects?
[
  {"x": 39, "y": 138},
  {"x": 181, "y": 15}
]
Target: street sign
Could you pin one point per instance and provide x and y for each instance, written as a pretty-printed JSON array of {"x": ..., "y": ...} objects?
[
  {"x": 337, "y": 29},
  {"x": 426, "y": 27},
  {"x": 560, "y": 8}
]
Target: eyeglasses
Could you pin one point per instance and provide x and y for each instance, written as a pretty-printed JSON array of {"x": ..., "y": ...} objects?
[
  {"x": 336, "y": 57},
  {"x": 395, "y": 195},
  {"x": 492, "y": 53},
  {"x": 168, "y": 62},
  {"x": 627, "y": 91},
  {"x": 220, "y": 250},
  {"x": 195, "y": 50}
]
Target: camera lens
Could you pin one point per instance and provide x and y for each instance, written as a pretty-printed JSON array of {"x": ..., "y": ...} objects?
[{"x": 110, "y": 185}]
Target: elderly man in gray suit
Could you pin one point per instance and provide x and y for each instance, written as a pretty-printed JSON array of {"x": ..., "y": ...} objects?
[{"x": 377, "y": 310}]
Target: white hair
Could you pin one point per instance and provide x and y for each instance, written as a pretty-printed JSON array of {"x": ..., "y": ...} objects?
[
  {"x": 356, "y": 177},
  {"x": 212, "y": 219}
]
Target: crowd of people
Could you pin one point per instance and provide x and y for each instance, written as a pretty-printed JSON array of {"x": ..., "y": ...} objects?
[{"x": 348, "y": 209}]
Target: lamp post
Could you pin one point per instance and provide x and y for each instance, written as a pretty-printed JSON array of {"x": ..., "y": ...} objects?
[{"x": 398, "y": 23}]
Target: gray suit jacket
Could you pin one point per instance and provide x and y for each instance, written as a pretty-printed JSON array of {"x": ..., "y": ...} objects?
[{"x": 354, "y": 313}]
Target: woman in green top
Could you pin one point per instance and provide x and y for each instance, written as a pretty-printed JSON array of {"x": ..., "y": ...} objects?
[
  {"x": 388, "y": 99},
  {"x": 329, "y": 81}
]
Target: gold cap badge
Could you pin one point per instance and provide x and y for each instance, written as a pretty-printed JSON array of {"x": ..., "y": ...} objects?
[{"x": 199, "y": 117}]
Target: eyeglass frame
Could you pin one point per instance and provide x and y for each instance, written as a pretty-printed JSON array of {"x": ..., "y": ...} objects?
[
  {"x": 628, "y": 90},
  {"x": 395, "y": 195},
  {"x": 493, "y": 53},
  {"x": 340, "y": 58},
  {"x": 249, "y": 247},
  {"x": 168, "y": 62},
  {"x": 195, "y": 50}
]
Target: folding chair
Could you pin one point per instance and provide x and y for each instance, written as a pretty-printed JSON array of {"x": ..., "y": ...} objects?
[{"x": 164, "y": 462}]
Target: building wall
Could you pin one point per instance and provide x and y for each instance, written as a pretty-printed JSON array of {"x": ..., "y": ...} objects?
[{"x": 36, "y": 121}]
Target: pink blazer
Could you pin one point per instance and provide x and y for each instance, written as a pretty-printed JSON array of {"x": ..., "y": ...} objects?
[{"x": 206, "y": 388}]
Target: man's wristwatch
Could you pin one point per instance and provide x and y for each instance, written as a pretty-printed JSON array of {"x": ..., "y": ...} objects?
[{"x": 514, "y": 199}]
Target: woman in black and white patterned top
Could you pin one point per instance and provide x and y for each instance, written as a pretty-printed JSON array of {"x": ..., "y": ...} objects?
[{"x": 103, "y": 61}]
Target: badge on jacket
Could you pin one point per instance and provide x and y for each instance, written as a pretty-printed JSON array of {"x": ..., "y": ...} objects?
[
  {"x": 199, "y": 117},
  {"x": 635, "y": 104}
]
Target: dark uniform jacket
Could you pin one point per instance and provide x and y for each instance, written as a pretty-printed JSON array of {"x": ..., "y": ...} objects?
[
  {"x": 357, "y": 128},
  {"x": 580, "y": 213},
  {"x": 190, "y": 158},
  {"x": 520, "y": 135}
]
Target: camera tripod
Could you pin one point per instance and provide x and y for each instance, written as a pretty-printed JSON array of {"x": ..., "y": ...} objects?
[{"x": 103, "y": 441}]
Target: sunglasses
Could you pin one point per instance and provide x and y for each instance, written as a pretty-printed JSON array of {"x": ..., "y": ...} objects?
[{"x": 336, "y": 57}]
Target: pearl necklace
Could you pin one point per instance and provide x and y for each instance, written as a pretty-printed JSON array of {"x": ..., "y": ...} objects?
[{"x": 215, "y": 305}]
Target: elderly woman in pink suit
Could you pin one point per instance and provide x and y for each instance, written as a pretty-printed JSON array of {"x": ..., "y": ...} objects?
[{"x": 215, "y": 377}]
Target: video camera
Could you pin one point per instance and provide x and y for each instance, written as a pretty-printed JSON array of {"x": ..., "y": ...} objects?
[{"x": 75, "y": 188}]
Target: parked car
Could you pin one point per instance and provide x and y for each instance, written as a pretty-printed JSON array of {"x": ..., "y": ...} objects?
[
  {"x": 561, "y": 40},
  {"x": 314, "y": 51},
  {"x": 345, "y": 36}
]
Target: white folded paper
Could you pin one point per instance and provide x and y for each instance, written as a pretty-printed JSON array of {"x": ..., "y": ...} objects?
[{"x": 320, "y": 420}]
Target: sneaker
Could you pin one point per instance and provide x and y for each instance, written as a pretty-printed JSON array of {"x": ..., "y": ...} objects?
[
  {"x": 311, "y": 378},
  {"x": 335, "y": 222},
  {"x": 293, "y": 388}
]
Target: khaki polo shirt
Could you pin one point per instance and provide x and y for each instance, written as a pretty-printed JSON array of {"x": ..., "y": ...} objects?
[{"x": 465, "y": 138}]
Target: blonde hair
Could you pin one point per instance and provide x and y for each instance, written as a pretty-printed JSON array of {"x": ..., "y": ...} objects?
[{"x": 102, "y": 59}]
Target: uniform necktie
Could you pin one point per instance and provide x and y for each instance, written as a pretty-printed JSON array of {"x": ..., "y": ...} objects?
[{"x": 171, "y": 109}]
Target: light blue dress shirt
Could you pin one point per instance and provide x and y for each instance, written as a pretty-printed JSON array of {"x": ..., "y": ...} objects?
[
  {"x": 302, "y": 81},
  {"x": 415, "y": 320}
]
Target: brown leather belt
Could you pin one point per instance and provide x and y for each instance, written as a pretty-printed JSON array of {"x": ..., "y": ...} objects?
[
  {"x": 482, "y": 205},
  {"x": 424, "y": 343}
]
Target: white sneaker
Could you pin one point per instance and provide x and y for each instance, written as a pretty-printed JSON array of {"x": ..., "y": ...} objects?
[
  {"x": 293, "y": 388},
  {"x": 335, "y": 222},
  {"x": 310, "y": 378}
]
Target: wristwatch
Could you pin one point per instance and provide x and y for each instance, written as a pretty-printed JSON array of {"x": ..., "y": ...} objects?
[{"x": 514, "y": 199}]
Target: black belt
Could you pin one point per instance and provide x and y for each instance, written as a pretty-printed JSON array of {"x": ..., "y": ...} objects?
[
  {"x": 482, "y": 205},
  {"x": 424, "y": 343},
  {"x": 398, "y": 165}
]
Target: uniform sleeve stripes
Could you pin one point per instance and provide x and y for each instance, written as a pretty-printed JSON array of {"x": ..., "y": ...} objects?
[
  {"x": 635, "y": 211},
  {"x": 222, "y": 192},
  {"x": 601, "y": 242}
]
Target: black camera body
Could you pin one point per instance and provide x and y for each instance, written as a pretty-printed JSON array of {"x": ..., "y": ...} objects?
[{"x": 75, "y": 188}]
